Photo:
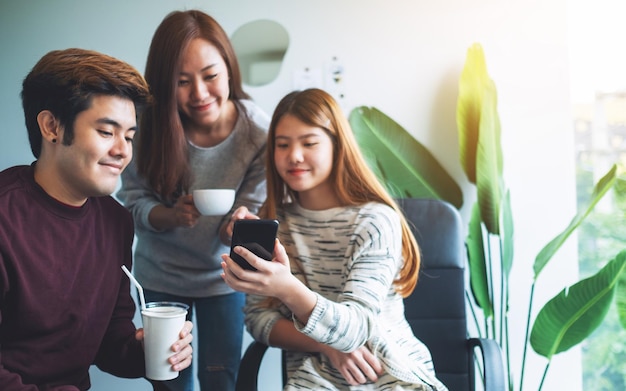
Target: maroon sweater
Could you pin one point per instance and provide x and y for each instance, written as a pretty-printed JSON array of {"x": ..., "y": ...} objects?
[{"x": 65, "y": 302}]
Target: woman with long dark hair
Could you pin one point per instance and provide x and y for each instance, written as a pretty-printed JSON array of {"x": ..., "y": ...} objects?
[{"x": 203, "y": 131}]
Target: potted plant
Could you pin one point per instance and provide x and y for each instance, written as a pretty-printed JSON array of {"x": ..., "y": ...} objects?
[{"x": 569, "y": 317}]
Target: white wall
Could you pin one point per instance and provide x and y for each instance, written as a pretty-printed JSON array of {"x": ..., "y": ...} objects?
[{"x": 401, "y": 56}]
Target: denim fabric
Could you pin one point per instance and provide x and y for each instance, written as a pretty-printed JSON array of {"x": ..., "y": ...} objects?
[{"x": 218, "y": 337}]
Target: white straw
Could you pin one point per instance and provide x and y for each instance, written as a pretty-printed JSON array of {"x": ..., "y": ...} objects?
[{"x": 139, "y": 288}]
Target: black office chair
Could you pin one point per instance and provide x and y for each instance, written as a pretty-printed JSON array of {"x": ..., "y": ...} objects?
[{"x": 435, "y": 310}]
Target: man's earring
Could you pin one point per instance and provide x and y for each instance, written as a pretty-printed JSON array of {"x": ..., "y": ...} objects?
[{"x": 54, "y": 141}]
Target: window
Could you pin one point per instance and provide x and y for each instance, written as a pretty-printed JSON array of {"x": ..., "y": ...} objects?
[{"x": 598, "y": 79}]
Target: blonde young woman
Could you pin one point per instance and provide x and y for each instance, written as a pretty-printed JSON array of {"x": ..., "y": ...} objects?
[{"x": 344, "y": 259}]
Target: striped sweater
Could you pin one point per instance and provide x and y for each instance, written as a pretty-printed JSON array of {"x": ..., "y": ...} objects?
[{"x": 349, "y": 256}]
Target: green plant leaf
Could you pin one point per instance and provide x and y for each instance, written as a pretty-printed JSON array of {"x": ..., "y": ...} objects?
[
  {"x": 479, "y": 281},
  {"x": 468, "y": 109},
  {"x": 600, "y": 189},
  {"x": 479, "y": 136},
  {"x": 572, "y": 315},
  {"x": 489, "y": 182},
  {"x": 404, "y": 165},
  {"x": 507, "y": 236},
  {"x": 620, "y": 299}
]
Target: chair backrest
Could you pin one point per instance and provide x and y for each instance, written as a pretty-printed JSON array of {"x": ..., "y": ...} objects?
[{"x": 436, "y": 309}]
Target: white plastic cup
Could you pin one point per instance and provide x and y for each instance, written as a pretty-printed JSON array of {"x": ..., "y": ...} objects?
[{"x": 162, "y": 324}]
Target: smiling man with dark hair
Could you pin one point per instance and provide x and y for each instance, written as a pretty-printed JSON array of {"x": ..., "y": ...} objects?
[{"x": 65, "y": 302}]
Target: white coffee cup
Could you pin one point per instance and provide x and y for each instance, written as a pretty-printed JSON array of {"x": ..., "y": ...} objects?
[
  {"x": 162, "y": 324},
  {"x": 213, "y": 202}
]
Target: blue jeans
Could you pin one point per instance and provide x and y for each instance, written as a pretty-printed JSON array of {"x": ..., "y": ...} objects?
[{"x": 217, "y": 341}]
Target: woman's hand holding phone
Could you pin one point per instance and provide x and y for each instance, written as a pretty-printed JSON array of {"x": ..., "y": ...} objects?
[
  {"x": 273, "y": 279},
  {"x": 258, "y": 236},
  {"x": 241, "y": 213},
  {"x": 266, "y": 277}
]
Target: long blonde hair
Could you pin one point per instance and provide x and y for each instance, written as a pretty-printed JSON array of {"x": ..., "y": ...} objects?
[{"x": 355, "y": 183}]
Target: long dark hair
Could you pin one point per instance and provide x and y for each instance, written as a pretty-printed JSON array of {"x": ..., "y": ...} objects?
[
  {"x": 162, "y": 152},
  {"x": 65, "y": 82}
]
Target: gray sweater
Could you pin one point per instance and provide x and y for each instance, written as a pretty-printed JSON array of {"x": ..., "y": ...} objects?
[{"x": 186, "y": 261}]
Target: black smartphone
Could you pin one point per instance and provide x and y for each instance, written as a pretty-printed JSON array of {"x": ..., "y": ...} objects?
[{"x": 255, "y": 235}]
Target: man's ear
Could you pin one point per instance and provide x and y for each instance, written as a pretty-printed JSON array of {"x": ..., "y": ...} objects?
[{"x": 49, "y": 126}]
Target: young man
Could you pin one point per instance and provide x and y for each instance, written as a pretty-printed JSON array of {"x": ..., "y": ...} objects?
[{"x": 65, "y": 302}]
